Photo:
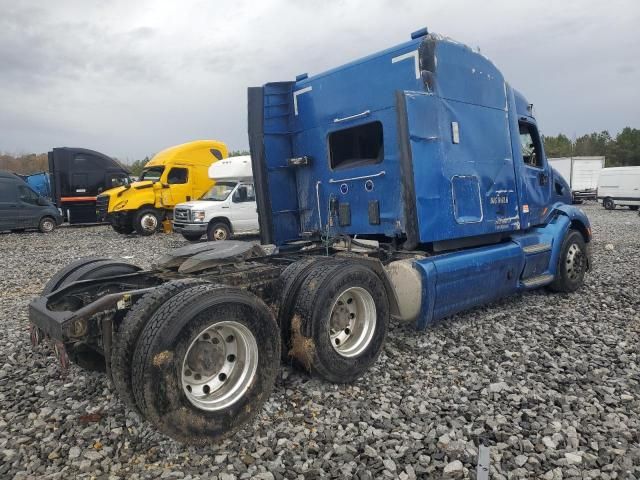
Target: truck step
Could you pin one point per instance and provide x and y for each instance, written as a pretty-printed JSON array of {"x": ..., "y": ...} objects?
[
  {"x": 538, "y": 281},
  {"x": 536, "y": 248}
]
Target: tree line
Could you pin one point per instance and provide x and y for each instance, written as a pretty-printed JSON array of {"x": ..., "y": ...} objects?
[
  {"x": 623, "y": 150},
  {"x": 24, "y": 164}
]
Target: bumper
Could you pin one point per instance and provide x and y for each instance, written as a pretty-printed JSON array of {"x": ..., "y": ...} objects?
[
  {"x": 119, "y": 218},
  {"x": 181, "y": 227}
]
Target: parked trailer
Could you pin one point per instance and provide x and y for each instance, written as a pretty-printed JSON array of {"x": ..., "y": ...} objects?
[
  {"x": 619, "y": 186},
  {"x": 581, "y": 173},
  {"x": 393, "y": 186}
]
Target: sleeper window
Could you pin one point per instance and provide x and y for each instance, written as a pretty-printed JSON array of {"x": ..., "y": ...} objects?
[{"x": 356, "y": 146}]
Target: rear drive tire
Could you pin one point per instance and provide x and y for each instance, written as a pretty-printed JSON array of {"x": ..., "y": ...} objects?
[
  {"x": 47, "y": 225},
  {"x": 609, "y": 204},
  {"x": 205, "y": 363},
  {"x": 146, "y": 221},
  {"x": 89, "y": 268},
  {"x": 126, "y": 337},
  {"x": 572, "y": 264},
  {"x": 290, "y": 281},
  {"x": 192, "y": 237},
  {"x": 340, "y": 322},
  {"x": 218, "y": 231}
]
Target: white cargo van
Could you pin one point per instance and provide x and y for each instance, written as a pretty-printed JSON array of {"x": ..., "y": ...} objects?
[
  {"x": 228, "y": 208},
  {"x": 619, "y": 186}
]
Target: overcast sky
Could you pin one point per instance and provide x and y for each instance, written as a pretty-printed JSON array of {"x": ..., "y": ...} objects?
[{"x": 129, "y": 78}]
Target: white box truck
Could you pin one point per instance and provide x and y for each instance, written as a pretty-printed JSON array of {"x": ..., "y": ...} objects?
[
  {"x": 581, "y": 173},
  {"x": 619, "y": 186},
  {"x": 228, "y": 208}
]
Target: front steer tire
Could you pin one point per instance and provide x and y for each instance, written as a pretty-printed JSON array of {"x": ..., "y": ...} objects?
[
  {"x": 47, "y": 225},
  {"x": 160, "y": 359},
  {"x": 146, "y": 221},
  {"x": 126, "y": 336},
  {"x": 340, "y": 322},
  {"x": 572, "y": 264},
  {"x": 218, "y": 231}
]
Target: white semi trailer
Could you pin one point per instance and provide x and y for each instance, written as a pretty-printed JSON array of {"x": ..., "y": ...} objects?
[{"x": 581, "y": 173}]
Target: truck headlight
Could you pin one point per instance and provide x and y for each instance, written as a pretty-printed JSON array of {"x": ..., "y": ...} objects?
[{"x": 198, "y": 216}]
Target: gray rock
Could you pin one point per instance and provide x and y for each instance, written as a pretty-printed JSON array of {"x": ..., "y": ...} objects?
[
  {"x": 389, "y": 464},
  {"x": 507, "y": 375},
  {"x": 498, "y": 387},
  {"x": 74, "y": 452},
  {"x": 454, "y": 469}
]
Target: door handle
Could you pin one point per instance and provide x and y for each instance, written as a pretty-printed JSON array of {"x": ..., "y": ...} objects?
[{"x": 544, "y": 178}]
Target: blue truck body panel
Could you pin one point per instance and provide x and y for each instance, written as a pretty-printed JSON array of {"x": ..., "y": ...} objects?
[
  {"x": 426, "y": 145},
  {"x": 39, "y": 182},
  {"x": 459, "y": 280}
]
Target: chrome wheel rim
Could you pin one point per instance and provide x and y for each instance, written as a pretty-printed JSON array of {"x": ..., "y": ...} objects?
[
  {"x": 352, "y": 322},
  {"x": 149, "y": 222},
  {"x": 219, "y": 234},
  {"x": 47, "y": 226},
  {"x": 219, "y": 365},
  {"x": 575, "y": 261}
]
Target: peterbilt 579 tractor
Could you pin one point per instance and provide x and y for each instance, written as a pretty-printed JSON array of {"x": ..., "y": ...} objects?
[{"x": 410, "y": 184}]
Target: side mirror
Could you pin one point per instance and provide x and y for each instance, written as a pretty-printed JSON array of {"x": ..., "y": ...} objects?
[{"x": 42, "y": 202}]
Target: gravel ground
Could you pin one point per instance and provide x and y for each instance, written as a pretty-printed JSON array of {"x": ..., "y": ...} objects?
[{"x": 550, "y": 382}]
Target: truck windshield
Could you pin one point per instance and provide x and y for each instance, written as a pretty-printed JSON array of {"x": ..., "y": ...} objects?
[
  {"x": 219, "y": 192},
  {"x": 153, "y": 174}
]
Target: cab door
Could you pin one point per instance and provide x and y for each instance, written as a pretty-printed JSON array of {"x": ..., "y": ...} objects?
[
  {"x": 178, "y": 186},
  {"x": 535, "y": 172},
  {"x": 244, "y": 215},
  {"x": 8, "y": 205},
  {"x": 28, "y": 210}
]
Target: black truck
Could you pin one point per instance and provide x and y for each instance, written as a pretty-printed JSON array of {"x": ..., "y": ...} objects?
[{"x": 78, "y": 176}]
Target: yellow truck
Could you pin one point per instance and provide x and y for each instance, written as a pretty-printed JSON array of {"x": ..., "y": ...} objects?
[{"x": 175, "y": 175}]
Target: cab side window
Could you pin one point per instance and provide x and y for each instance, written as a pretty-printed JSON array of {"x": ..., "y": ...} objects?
[
  {"x": 116, "y": 180},
  {"x": 244, "y": 193},
  {"x": 178, "y": 176},
  {"x": 27, "y": 195},
  {"x": 530, "y": 143}
]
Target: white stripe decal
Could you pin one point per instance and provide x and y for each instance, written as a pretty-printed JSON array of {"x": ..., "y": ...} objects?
[
  {"x": 295, "y": 97},
  {"x": 408, "y": 56}
]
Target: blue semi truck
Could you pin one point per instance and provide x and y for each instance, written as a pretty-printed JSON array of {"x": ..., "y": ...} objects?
[{"x": 410, "y": 184}]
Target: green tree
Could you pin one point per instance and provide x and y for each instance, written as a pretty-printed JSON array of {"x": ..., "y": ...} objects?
[
  {"x": 593, "y": 144},
  {"x": 625, "y": 149},
  {"x": 559, "y": 146},
  {"x": 238, "y": 153},
  {"x": 137, "y": 165}
]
